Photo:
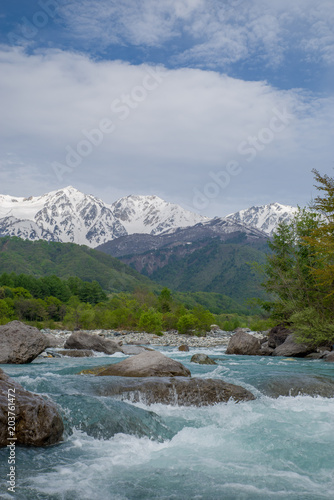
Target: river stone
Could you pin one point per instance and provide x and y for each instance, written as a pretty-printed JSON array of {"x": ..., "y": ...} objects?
[
  {"x": 38, "y": 422},
  {"x": 81, "y": 340},
  {"x": 278, "y": 335},
  {"x": 147, "y": 364},
  {"x": 184, "y": 348},
  {"x": 310, "y": 385},
  {"x": 243, "y": 343},
  {"x": 329, "y": 357},
  {"x": 53, "y": 341},
  {"x": 179, "y": 391},
  {"x": 20, "y": 343},
  {"x": 292, "y": 348},
  {"x": 77, "y": 353},
  {"x": 132, "y": 350},
  {"x": 202, "y": 359}
]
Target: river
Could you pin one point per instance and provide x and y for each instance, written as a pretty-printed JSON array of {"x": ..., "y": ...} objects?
[{"x": 275, "y": 447}]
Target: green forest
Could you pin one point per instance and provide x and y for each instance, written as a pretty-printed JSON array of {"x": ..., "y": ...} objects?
[{"x": 300, "y": 269}]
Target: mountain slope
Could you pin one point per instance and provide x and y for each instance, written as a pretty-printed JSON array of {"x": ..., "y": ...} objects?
[
  {"x": 41, "y": 258},
  {"x": 67, "y": 215},
  {"x": 265, "y": 217}
]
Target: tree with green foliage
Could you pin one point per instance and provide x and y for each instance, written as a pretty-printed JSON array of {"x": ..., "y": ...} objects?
[{"x": 300, "y": 269}]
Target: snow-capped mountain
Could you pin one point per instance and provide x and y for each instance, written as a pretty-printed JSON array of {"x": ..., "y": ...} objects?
[
  {"x": 67, "y": 215},
  {"x": 152, "y": 215},
  {"x": 265, "y": 217}
]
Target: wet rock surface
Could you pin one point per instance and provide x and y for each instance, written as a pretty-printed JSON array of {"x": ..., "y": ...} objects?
[
  {"x": 147, "y": 364},
  {"x": 37, "y": 421},
  {"x": 296, "y": 385},
  {"x": 82, "y": 340},
  {"x": 202, "y": 359},
  {"x": 76, "y": 353},
  {"x": 20, "y": 343},
  {"x": 180, "y": 391}
]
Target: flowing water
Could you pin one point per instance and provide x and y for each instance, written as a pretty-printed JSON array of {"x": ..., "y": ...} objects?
[{"x": 276, "y": 447}]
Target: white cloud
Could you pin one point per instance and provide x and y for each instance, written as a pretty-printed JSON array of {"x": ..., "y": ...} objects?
[
  {"x": 191, "y": 124},
  {"x": 210, "y": 32}
]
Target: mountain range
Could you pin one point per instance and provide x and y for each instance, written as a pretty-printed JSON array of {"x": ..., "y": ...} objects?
[{"x": 68, "y": 215}]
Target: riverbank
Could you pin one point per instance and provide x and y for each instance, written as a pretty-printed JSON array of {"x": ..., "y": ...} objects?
[{"x": 172, "y": 339}]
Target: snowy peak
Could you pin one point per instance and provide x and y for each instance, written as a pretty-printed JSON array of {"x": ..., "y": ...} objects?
[
  {"x": 68, "y": 215},
  {"x": 265, "y": 217},
  {"x": 152, "y": 215}
]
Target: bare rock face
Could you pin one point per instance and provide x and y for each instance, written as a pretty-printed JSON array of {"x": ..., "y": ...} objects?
[
  {"x": 243, "y": 343},
  {"x": 20, "y": 343},
  {"x": 291, "y": 348},
  {"x": 202, "y": 359},
  {"x": 81, "y": 340},
  {"x": 278, "y": 335},
  {"x": 37, "y": 421},
  {"x": 147, "y": 364},
  {"x": 178, "y": 391}
]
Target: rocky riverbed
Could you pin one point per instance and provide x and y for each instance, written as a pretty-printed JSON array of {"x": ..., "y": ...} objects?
[{"x": 172, "y": 338}]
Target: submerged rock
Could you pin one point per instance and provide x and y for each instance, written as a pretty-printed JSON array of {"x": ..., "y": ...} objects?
[
  {"x": 183, "y": 348},
  {"x": 177, "y": 391},
  {"x": 202, "y": 359},
  {"x": 20, "y": 343},
  {"x": 81, "y": 340},
  {"x": 147, "y": 364},
  {"x": 291, "y": 348},
  {"x": 37, "y": 421},
  {"x": 243, "y": 343}
]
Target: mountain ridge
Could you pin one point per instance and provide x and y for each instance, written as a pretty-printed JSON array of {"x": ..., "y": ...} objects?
[{"x": 69, "y": 216}]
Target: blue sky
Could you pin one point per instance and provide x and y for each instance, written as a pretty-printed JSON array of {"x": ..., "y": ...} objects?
[{"x": 216, "y": 105}]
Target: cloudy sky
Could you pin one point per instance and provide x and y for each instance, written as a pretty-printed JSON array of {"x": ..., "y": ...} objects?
[{"x": 216, "y": 105}]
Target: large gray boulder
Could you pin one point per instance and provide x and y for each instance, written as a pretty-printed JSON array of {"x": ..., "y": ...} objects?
[
  {"x": 37, "y": 421},
  {"x": 133, "y": 350},
  {"x": 291, "y": 348},
  {"x": 20, "y": 343},
  {"x": 82, "y": 340},
  {"x": 147, "y": 364},
  {"x": 329, "y": 357},
  {"x": 202, "y": 359},
  {"x": 243, "y": 343},
  {"x": 178, "y": 391}
]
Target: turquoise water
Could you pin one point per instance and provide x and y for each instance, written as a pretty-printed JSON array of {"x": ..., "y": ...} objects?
[{"x": 276, "y": 447}]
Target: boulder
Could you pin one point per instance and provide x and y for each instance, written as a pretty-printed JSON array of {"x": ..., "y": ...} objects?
[
  {"x": 132, "y": 350},
  {"x": 202, "y": 359},
  {"x": 37, "y": 421},
  {"x": 20, "y": 343},
  {"x": 77, "y": 353},
  {"x": 184, "y": 348},
  {"x": 179, "y": 391},
  {"x": 295, "y": 385},
  {"x": 243, "y": 343},
  {"x": 278, "y": 335},
  {"x": 147, "y": 364},
  {"x": 291, "y": 348},
  {"x": 329, "y": 357},
  {"x": 81, "y": 340},
  {"x": 53, "y": 341},
  {"x": 265, "y": 349}
]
